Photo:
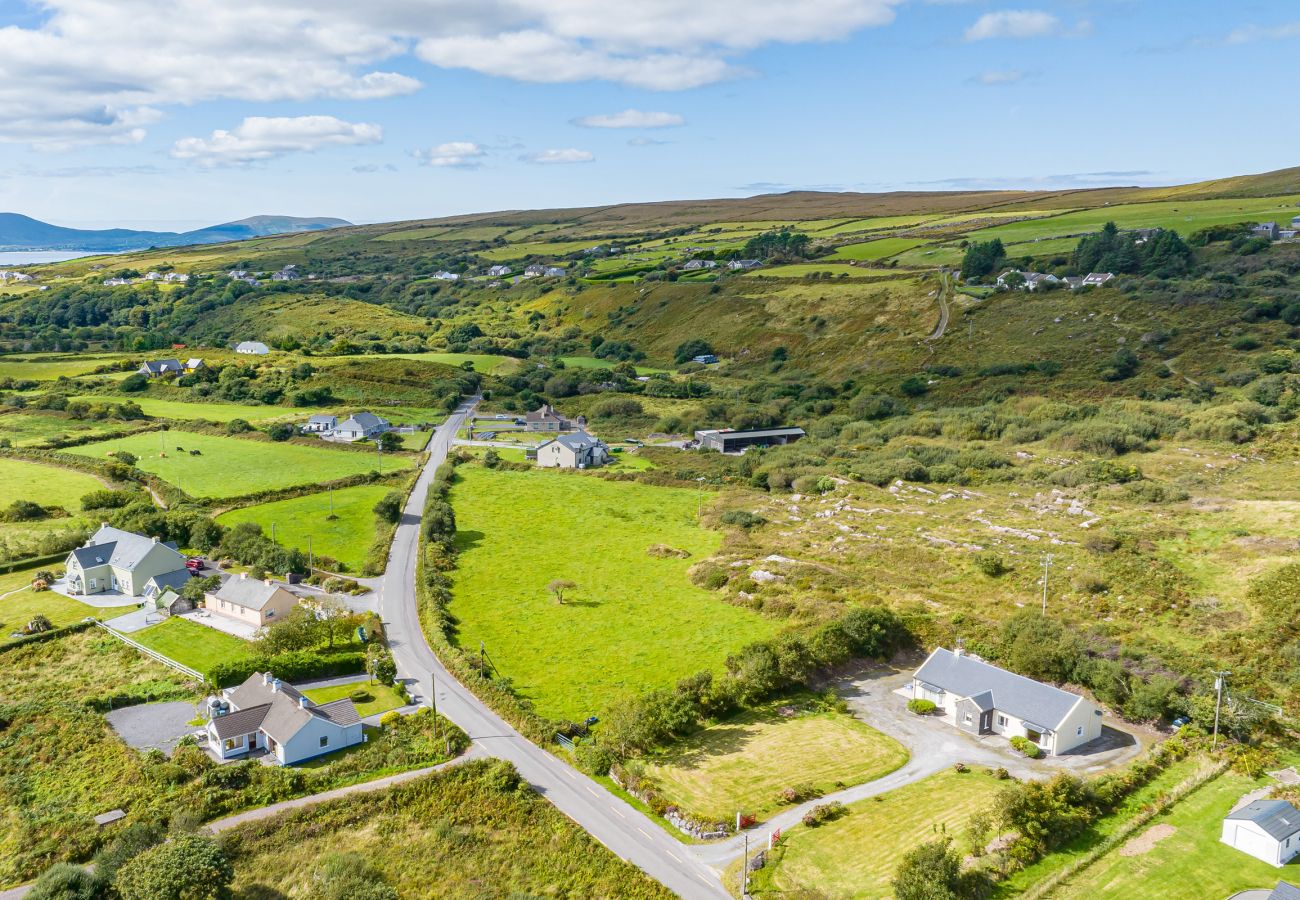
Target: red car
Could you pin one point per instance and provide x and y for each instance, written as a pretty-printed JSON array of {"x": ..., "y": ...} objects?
[{"x": 195, "y": 564}]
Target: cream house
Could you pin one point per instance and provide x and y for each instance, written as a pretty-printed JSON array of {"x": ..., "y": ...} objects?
[
  {"x": 256, "y": 603},
  {"x": 577, "y": 450},
  {"x": 122, "y": 561},
  {"x": 981, "y": 698}
]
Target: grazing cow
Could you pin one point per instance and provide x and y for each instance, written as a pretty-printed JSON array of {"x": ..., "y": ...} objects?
[{"x": 196, "y": 453}]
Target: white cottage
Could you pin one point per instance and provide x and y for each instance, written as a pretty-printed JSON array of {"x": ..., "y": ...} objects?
[
  {"x": 981, "y": 698},
  {"x": 1265, "y": 829},
  {"x": 577, "y": 450},
  {"x": 265, "y": 713}
]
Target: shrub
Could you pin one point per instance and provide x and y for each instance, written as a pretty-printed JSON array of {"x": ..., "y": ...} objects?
[
  {"x": 64, "y": 881},
  {"x": 238, "y": 426},
  {"x": 1026, "y": 746},
  {"x": 361, "y": 696},
  {"x": 617, "y": 407},
  {"x": 921, "y": 707},
  {"x": 991, "y": 564},
  {"x": 823, "y": 813},
  {"x": 742, "y": 518},
  {"x": 106, "y": 500},
  {"x": 190, "y": 867}
]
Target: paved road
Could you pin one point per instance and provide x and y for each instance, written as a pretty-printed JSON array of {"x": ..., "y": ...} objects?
[
  {"x": 945, "y": 288},
  {"x": 614, "y": 823}
]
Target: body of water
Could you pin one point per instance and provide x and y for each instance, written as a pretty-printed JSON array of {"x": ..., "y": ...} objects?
[{"x": 35, "y": 257}]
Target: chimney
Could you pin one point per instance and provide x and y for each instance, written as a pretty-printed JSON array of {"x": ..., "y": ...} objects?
[
  {"x": 960, "y": 649},
  {"x": 268, "y": 582},
  {"x": 303, "y": 702},
  {"x": 275, "y": 685},
  {"x": 266, "y": 678},
  {"x": 155, "y": 540}
]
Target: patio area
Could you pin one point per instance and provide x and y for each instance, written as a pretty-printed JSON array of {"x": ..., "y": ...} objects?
[
  {"x": 220, "y": 623},
  {"x": 102, "y": 600}
]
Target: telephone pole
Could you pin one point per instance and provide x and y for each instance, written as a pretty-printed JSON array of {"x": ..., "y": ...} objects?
[
  {"x": 1219, "y": 679},
  {"x": 1047, "y": 570}
]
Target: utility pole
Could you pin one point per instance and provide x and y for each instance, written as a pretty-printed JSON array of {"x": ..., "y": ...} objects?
[
  {"x": 1219, "y": 678},
  {"x": 433, "y": 702},
  {"x": 311, "y": 560},
  {"x": 272, "y": 532},
  {"x": 1047, "y": 570},
  {"x": 744, "y": 870},
  {"x": 330, "y": 491},
  {"x": 482, "y": 659}
]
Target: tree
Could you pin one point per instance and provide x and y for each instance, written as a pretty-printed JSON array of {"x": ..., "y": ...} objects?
[
  {"x": 281, "y": 431},
  {"x": 133, "y": 384},
  {"x": 688, "y": 350},
  {"x": 982, "y": 258},
  {"x": 389, "y": 507},
  {"x": 348, "y": 876},
  {"x": 190, "y": 867},
  {"x": 932, "y": 871},
  {"x": 390, "y": 441},
  {"x": 195, "y": 588},
  {"x": 558, "y": 586},
  {"x": 64, "y": 881},
  {"x": 335, "y": 618},
  {"x": 380, "y": 665}
]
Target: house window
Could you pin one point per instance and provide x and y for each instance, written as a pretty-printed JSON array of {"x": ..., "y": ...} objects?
[
  {"x": 1079, "y": 731},
  {"x": 325, "y": 740},
  {"x": 967, "y": 719},
  {"x": 1002, "y": 721},
  {"x": 230, "y": 743},
  {"x": 270, "y": 613}
]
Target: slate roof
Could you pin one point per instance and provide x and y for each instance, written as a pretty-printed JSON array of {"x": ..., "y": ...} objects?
[
  {"x": 1022, "y": 697},
  {"x": 241, "y": 721},
  {"x": 754, "y": 432},
  {"x": 341, "y": 712},
  {"x": 252, "y": 347},
  {"x": 171, "y": 580},
  {"x": 116, "y": 547},
  {"x": 363, "y": 421},
  {"x": 1285, "y": 891},
  {"x": 544, "y": 414},
  {"x": 158, "y": 366},
  {"x": 281, "y": 713},
  {"x": 249, "y": 593},
  {"x": 323, "y": 420},
  {"x": 575, "y": 440},
  {"x": 1278, "y": 818}
]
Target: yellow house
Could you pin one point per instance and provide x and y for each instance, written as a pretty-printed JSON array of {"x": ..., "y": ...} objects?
[{"x": 257, "y": 603}]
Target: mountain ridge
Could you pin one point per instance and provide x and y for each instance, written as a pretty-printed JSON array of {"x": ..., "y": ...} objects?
[{"x": 21, "y": 232}]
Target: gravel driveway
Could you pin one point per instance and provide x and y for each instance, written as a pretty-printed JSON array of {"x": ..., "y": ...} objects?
[{"x": 151, "y": 725}]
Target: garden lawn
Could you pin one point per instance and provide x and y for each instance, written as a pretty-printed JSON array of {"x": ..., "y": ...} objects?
[
  {"x": 634, "y": 622},
  {"x": 46, "y": 485},
  {"x": 180, "y": 409},
  {"x": 1198, "y": 821},
  {"x": 857, "y": 855},
  {"x": 230, "y": 466},
  {"x": 19, "y": 604},
  {"x": 383, "y": 696},
  {"x": 346, "y": 538},
  {"x": 191, "y": 644},
  {"x": 744, "y": 763},
  {"x": 415, "y": 441}
]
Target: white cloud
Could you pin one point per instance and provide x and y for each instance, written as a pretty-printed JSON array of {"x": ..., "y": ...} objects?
[
  {"x": 260, "y": 138},
  {"x": 1014, "y": 23},
  {"x": 91, "y": 70},
  {"x": 1248, "y": 34},
  {"x": 646, "y": 142},
  {"x": 455, "y": 154},
  {"x": 554, "y": 157},
  {"x": 631, "y": 118},
  {"x": 998, "y": 79}
]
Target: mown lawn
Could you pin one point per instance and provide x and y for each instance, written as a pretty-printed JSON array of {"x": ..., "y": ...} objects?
[
  {"x": 460, "y": 833},
  {"x": 230, "y": 466},
  {"x": 22, "y": 604},
  {"x": 346, "y": 538},
  {"x": 383, "y": 697},
  {"x": 191, "y": 644},
  {"x": 857, "y": 855},
  {"x": 46, "y": 485},
  {"x": 1197, "y": 820},
  {"x": 633, "y": 622},
  {"x": 180, "y": 409},
  {"x": 744, "y": 763}
]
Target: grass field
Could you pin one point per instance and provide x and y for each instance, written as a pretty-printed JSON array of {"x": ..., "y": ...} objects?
[
  {"x": 804, "y": 270},
  {"x": 50, "y": 369},
  {"x": 345, "y": 538},
  {"x": 483, "y": 362},
  {"x": 1197, "y": 821},
  {"x": 857, "y": 855},
  {"x": 34, "y": 427},
  {"x": 633, "y": 622},
  {"x": 191, "y": 644},
  {"x": 881, "y": 248},
  {"x": 591, "y": 362},
  {"x": 212, "y": 412},
  {"x": 19, "y": 603},
  {"x": 46, "y": 485},
  {"x": 383, "y": 697},
  {"x": 230, "y": 466},
  {"x": 743, "y": 763}
]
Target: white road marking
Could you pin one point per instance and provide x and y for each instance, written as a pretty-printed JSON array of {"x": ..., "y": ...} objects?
[
  {"x": 592, "y": 791},
  {"x": 618, "y": 812},
  {"x": 646, "y": 833},
  {"x": 673, "y": 855}
]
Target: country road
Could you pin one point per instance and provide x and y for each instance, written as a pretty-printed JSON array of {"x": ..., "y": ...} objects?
[
  {"x": 624, "y": 830},
  {"x": 945, "y": 288}
]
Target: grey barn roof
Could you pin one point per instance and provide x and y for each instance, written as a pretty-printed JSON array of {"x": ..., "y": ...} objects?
[
  {"x": 1023, "y": 697},
  {"x": 729, "y": 434},
  {"x": 1278, "y": 818}
]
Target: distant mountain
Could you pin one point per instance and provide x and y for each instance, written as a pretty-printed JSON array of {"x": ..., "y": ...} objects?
[{"x": 19, "y": 232}]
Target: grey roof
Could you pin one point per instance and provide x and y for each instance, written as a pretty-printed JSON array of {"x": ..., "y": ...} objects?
[
  {"x": 341, "y": 712},
  {"x": 574, "y": 440},
  {"x": 251, "y": 347},
  {"x": 174, "y": 580},
  {"x": 1022, "y": 697},
  {"x": 755, "y": 432},
  {"x": 323, "y": 420},
  {"x": 116, "y": 547},
  {"x": 543, "y": 413},
  {"x": 1285, "y": 891},
  {"x": 241, "y": 721},
  {"x": 1278, "y": 818},
  {"x": 249, "y": 593},
  {"x": 984, "y": 700},
  {"x": 285, "y": 715},
  {"x": 158, "y": 366},
  {"x": 363, "y": 421}
]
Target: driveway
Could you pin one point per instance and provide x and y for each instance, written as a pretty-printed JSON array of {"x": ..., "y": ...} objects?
[
  {"x": 245, "y": 630},
  {"x": 151, "y": 725},
  {"x": 874, "y": 698}
]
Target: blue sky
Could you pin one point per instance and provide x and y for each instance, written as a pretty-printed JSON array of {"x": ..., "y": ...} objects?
[{"x": 396, "y": 109}]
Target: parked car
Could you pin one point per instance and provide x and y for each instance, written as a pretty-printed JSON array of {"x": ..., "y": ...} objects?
[
  {"x": 195, "y": 564},
  {"x": 1180, "y": 722}
]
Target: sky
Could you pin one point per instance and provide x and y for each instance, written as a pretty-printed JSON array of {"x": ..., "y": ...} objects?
[{"x": 174, "y": 114}]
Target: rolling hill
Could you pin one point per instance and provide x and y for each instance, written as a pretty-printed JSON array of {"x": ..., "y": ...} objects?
[{"x": 19, "y": 232}]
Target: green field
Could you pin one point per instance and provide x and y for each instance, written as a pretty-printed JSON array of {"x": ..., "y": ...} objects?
[
  {"x": 229, "y": 466},
  {"x": 591, "y": 362},
  {"x": 19, "y": 604},
  {"x": 1197, "y": 822},
  {"x": 744, "y": 763},
  {"x": 37, "y": 426},
  {"x": 46, "y": 485},
  {"x": 877, "y": 249},
  {"x": 803, "y": 270},
  {"x": 179, "y": 409},
  {"x": 857, "y": 855},
  {"x": 346, "y": 538},
  {"x": 383, "y": 696},
  {"x": 1183, "y": 216},
  {"x": 191, "y": 644},
  {"x": 633, "y": 622},
  {"x": 39, "y": 369},
  {"x": 482, "y": 362}
]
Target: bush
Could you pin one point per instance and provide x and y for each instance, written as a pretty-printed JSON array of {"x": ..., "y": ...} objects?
[
  {"x": 106, "y": 500},
  {"x": 281, "y": 431},
  {"x": 742, "y": 518},
  {"x": 238, "y": 426},
  {"x": 823, "y": 813},
  {"x": 361, "y": 696},
  {"x": 921, "y": 707},
  {"x": 190, "y": 867},
  {"x": 64, "y": 881},
  {"x": 1026, "y": 746},
  {"x": 617, "y": 407},
  {"x": 991, "y": 564},
  {"x": 389, "y": 507}
]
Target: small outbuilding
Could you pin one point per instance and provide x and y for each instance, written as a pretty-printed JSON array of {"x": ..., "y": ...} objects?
[
  {"x": 1268, "y": 830},
  {"x": 728, "y": 440}
]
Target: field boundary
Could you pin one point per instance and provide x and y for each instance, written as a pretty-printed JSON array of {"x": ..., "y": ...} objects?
[{"x": 153, "y": 654}]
